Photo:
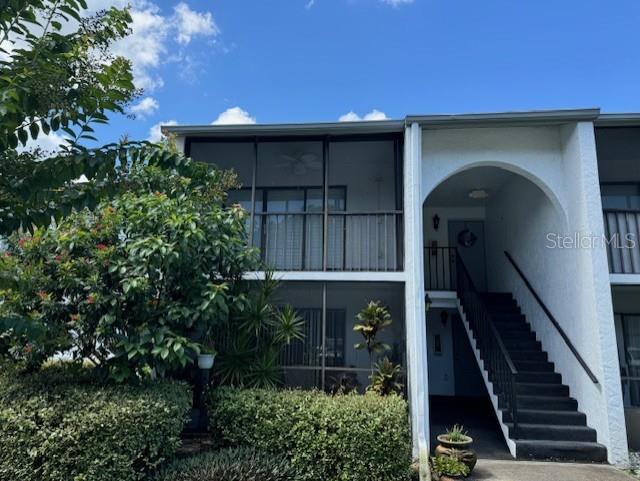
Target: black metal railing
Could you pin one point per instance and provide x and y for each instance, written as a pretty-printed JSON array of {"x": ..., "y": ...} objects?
[
  {"x": 622, "y": 230},
  {"x": 355, "y": 241},
  {"x": 498, "y": 362},
  {"x": 439, "y": 268},
  {"x": 553, "y": 320}
]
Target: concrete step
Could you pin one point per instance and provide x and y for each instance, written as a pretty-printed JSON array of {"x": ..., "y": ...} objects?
[
  {"x": 522, "y": 345},
  {"x": 539, "y": 377},
  {"x": 561, "y": 450},
  {"x": 541, "y": 416},
  {"x": 525, "y": 365},
  {"x": 522, "y": 355},
  {"x": 553, "y": 403},
  {"x": 542, "y": 389},
  {"x": 517, "y": 335},
  {"x": 553, "y": 432}
]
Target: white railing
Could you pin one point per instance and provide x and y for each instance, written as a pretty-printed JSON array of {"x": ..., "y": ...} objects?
[{"x": 356, "y": 241}]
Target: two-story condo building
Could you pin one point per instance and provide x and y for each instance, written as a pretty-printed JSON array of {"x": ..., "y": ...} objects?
[{"x": 505, "y": 246}]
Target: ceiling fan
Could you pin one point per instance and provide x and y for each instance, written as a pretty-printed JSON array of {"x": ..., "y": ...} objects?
[{"x": 301, "y": 162}]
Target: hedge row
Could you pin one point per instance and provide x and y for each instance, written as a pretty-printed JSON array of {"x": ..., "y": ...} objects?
[
  {"x": 341, "y": 438},
  {"x": 59, "y": 425}
]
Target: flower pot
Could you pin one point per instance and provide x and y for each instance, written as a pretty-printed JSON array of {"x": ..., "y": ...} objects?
[
  {"x": 443, "y": 439},
  {"x": 205, "y": 361},
  {"x": 458, "y": 450}
]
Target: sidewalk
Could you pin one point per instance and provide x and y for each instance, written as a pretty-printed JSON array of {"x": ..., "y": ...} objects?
[{"x": 495, "y": 470}]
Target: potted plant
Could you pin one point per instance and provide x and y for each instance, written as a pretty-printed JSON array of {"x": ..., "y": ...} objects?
[
  {"x": 456, "y": 444},
  {"x": 207, "y": 354},
  {"x": 455, "y": 437},
  {"x": 444, "y": 468}
]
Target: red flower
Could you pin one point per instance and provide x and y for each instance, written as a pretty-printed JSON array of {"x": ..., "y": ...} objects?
[
  {"x": 58, "y": 258},
  {"x": 101, "y": 247},
  {"x": 43, "y": 295},
  {"x": 28, "y": 348},
  {"x": 21, "y": 242},
  {"x": 91, "y": 299}
]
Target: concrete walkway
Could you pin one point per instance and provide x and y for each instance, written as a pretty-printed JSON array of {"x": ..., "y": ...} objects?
[{"x": 498, "y": 470}]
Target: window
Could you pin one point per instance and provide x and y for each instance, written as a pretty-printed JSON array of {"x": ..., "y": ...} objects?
[
  {"x": 622, "y": 196},
  {"x": 630, "y": 358},
  {"x": 327, "y": 354}
]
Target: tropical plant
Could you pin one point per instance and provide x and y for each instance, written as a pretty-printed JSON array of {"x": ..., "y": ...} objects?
[
  {"x": 250, "y": 343},
  {"x": 372, "y": 319},
  {"x": 385, "y": 379},
  {"x": 446, "y": 466},
  {"x": 57, "y": 75},
  {"x": 133, "y": 286}
]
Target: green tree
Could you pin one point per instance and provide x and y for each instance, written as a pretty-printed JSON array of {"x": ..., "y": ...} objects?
[
  {"x": 132, "y": 286},
  {"x": 372, "y": 319},
  {"x": 57, "y": 75}
]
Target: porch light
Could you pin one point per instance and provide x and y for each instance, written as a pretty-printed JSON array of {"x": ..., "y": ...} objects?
[
  {"x": 436, "y": 222},
  {"x": 478, "y": 194}
]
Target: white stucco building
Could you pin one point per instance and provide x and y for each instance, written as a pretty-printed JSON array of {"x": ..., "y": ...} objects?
[{"x": 488, "y": 238}]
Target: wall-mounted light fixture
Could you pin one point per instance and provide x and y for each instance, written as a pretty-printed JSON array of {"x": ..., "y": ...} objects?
[{"x": 436, "y": 222}]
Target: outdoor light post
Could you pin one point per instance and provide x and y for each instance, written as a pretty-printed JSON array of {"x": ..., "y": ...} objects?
[{"x": 205, "y": 363}]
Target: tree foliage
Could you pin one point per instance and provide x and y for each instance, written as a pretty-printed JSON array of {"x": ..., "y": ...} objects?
[
  {"x": 57, "y": 76},
  {"x": 133, "y": 285}
]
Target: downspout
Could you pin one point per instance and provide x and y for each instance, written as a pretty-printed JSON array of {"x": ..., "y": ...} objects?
[{"x": 418, "y": 379}]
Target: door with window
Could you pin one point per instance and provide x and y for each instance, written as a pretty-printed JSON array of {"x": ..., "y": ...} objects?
[{"x": 291, "y": 230}]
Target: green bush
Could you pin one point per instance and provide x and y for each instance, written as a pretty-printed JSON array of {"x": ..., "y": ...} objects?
[
  {"x": 230, "y": 464},
  {"x": 60, "y": 425},
  {"x": 339, "y": 438}
]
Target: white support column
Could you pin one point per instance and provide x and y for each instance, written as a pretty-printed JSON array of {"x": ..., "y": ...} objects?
[{"x": 414, "y": 297}]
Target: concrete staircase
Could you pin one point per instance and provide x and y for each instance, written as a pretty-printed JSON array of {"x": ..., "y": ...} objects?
[{"x": 549, "y": 423}]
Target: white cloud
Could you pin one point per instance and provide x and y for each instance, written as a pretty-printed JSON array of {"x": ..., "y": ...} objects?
[
  {"x": 396, "y": 3},
  {"x": 190, "y": 23},
  {"x": 145, "y": 107},
  {"x": 149, "y": 44},
  {"x": 234, "y": 115},
  {"x": 351, "y": 116},
  {"x": 155, "y": 134},
  {"x": 310, "y": 4}
]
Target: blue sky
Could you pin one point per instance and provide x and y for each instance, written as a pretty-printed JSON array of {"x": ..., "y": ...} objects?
[{"x": 303, "y": 60}]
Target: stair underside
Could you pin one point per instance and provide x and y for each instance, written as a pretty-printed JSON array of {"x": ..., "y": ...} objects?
[{"x": 549, "y": 423}]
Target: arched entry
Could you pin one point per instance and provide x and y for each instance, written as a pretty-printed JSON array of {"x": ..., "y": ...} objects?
[{"x": 471, "y": 218}]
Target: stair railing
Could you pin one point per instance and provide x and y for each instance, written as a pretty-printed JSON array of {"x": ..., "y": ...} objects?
[
  {"x": 553, "y": 320},
  {"x": 493, "y": 352}
]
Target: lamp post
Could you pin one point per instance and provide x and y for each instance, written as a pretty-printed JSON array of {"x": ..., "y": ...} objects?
[{"x": 205, "y": 363}]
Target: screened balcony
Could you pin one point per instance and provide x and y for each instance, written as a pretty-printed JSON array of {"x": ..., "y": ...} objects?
[{"x": 317, "y": 204}]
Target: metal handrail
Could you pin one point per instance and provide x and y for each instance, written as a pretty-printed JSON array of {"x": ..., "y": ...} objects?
[
  {"x": 490, "y": 343},
  {"x": 553, "y": 320}
]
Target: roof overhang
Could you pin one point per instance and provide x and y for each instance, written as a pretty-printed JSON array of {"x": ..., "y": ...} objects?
[
  {"x": 618, "y": 120},
  {"x": 288, "y": 130},
  {"x": 533, "y": 117}
]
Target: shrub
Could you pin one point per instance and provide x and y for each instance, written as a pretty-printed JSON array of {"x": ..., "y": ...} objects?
[
  {"x": 230, "y": 464},
  {"x": 59, "y": 424},
  {"x": 350, "y": 437}
]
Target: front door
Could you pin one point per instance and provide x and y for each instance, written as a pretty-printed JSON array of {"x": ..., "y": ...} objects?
[{"x": 468, "y": 238}]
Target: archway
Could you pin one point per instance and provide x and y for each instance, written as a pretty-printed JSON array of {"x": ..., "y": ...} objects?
[{"x": 472, "y": 216}]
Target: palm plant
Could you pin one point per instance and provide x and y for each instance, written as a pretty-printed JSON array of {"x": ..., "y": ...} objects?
[
  {"x": 385, "y": 379},
  {"x": 252, "y": 339},
  {"x": 372, "y": 319}
]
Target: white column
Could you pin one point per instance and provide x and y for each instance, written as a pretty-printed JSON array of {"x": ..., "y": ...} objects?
[{"x": 414, "y": 297}]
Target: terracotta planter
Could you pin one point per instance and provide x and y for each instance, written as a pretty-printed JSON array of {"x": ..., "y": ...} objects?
[
  {"x": 446, "y": 477},
  {"x": 444, "y": 441},
  {"x": 457, "y": 450}
]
